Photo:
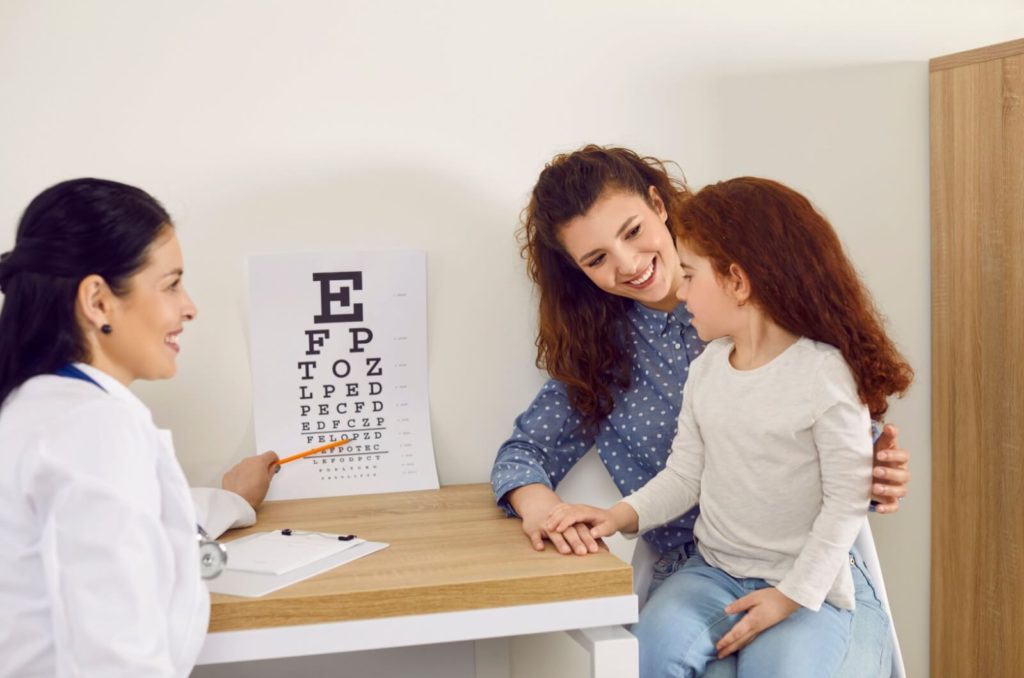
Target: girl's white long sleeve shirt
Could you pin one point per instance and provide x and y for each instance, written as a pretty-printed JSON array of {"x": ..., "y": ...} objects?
[{"x": 779, "y": 459}]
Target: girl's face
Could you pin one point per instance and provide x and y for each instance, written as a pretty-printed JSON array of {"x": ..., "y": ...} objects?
[
  {"x": 715, "y": 311},
  {"x": 148, "y": 320},
  {"x": 623, "y": 245}
]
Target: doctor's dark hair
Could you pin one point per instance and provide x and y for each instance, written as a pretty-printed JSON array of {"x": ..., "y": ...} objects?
[
  {"x": 582, "y": 336},
  {"x": 69, "y": 231}
]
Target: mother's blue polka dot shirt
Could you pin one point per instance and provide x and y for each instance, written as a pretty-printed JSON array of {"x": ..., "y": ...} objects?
[{"x": 635, "y": 439}]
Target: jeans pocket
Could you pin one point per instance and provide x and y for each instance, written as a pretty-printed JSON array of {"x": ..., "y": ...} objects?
[{"x": 664, "y": 567}]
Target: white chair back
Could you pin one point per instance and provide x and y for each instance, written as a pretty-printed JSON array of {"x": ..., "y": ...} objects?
[{"x": 865, "y": 545}]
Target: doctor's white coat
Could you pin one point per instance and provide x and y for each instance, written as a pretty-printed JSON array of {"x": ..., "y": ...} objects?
[{"x": 99, "y": 569}]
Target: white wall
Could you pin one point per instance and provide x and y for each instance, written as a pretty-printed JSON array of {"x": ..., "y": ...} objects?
[{"x": 287, "y": 126}]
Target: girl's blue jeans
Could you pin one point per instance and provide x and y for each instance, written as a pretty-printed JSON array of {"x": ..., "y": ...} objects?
[{"x": 684, "y": 618}]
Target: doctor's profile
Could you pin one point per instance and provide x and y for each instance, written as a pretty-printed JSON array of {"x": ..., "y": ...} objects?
[{"x": 99, "y": 556}]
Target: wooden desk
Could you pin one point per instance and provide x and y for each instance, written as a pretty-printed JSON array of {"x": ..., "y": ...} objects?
[{"x": 456, "y": 569}]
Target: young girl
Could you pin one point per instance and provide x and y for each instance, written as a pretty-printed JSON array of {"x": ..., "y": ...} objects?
[{"x": 771, "y": 441}]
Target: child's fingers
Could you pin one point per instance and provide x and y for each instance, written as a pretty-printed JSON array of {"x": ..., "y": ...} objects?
[
  {"x": 735, "y": 646},
  {"x": 554, "y": 517},
  {"x": 574, "y": 515},
  {"x": 558, "y": 515},
  {"x": 737, "y": 637},
  {"x": 567, "y": 522},
  {"x": 741, "y": 604},
  {"x": 605, "y": 528}
]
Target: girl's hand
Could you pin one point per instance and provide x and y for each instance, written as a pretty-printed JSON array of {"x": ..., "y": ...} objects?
[
  {"x": 764, "y": 609},
  {"x": 891, "y": 475},
  {"x": 603, "y": 523}
]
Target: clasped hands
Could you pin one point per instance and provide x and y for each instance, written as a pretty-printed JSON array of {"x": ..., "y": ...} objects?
[{"x": 588, "y": 524}]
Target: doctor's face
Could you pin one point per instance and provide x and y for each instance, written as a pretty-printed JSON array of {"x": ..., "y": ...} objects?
[
  {"x": 622, "y": 243},
  {"x": 148, "y": 321}
]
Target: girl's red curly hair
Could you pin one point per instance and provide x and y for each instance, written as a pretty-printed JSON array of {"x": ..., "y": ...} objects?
[{"x": 799, "y": 275}]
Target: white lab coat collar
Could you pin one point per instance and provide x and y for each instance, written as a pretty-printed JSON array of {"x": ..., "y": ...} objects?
[{"x": 116, "y": 389}]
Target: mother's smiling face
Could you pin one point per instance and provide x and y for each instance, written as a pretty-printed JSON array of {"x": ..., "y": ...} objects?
[{"x": 623, "y": 244}]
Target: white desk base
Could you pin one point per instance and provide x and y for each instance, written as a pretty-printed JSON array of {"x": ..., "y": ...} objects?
[
  {"x": 595, "y": 623},
  {"x": 614, "y": 652}
]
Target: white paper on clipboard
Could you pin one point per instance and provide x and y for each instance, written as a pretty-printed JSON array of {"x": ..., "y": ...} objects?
[
  {"x": 236, "y": 582},
  {"x": 279, "y": 553}
]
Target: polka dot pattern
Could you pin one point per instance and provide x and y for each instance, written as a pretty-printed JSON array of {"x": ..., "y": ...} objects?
[{"x": 634, "y": 440}]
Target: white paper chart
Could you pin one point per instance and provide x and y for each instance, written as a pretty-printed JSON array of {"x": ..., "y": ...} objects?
[{"x": 339, "y": 351}]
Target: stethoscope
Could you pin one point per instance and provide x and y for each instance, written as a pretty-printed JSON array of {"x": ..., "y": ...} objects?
[{"x": 213, "y": 556}]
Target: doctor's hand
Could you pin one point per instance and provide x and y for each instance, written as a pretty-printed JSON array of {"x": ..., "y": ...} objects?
[
  {"x": 250, "y": 478},
  {"x": 890, "y": 475},
  {"x": 764, "y": 609}
]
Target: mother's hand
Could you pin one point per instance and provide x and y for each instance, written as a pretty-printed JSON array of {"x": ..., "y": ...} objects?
[{"x": 890, "y": 475}]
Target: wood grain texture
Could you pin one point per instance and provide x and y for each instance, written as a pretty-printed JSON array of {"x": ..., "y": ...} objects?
[
  {"x": 974, "y": 56},
  {"x": 450, "y": 549},
  {"x": 977, "y": 185}
]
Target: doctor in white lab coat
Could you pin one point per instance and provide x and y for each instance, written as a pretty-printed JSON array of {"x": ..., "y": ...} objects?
[{"x": 99, "y": 562}]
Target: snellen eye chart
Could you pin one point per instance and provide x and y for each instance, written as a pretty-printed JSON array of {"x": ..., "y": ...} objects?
[{"x": 339, "y": 352}]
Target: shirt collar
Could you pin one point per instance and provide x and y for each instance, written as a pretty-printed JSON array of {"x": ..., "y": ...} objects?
[
  {"x": 116, "y": 389},
  {"x": 658, "y": 322}
]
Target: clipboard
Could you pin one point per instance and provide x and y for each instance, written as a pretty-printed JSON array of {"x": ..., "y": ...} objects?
[{"x": 253, "y": 584}]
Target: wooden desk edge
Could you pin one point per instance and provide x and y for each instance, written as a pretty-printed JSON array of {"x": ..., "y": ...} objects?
[
  {"x": 541, "y": 581},
  {"x": 236, "y": 614}
]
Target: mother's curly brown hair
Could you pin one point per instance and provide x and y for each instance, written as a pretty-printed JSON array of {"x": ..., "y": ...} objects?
[{"x": 582, "y": 339}]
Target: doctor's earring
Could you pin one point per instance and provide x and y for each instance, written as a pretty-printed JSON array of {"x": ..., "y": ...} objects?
[{"x": 106, "y": 329}]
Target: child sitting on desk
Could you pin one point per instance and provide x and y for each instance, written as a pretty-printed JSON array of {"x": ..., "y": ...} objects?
[{"x": 771, "y": 438}]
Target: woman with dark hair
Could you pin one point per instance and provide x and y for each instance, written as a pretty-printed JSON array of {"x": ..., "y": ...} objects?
[
  {"x": 598, "y": 239},
  {"x": 99, "y": 563},
  {"x": 798, "y": 347}
]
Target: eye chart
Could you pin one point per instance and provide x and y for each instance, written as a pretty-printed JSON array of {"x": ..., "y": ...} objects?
[{"x": 339, "y": 351}]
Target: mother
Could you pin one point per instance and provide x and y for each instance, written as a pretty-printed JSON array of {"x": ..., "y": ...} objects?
[{"x": 618, "y": 345}]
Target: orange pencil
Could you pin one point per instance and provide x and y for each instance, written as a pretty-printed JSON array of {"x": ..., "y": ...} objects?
[{"x": 328, "y": 446}]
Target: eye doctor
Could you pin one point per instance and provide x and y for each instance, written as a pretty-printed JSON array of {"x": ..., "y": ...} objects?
[{"x": 99, "y": 563}]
